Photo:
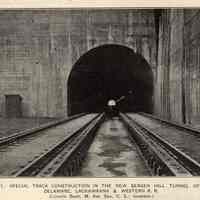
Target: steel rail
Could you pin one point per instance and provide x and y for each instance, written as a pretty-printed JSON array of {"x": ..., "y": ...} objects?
[
  {"x": 179, "y": 126},
  {"x": 163, "y": 158},
  {"x": 27, "y": 132},
  {"x": 54, "y": 160}
]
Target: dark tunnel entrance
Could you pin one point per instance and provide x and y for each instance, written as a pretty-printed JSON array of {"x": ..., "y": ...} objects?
[{"x": 110, "y": 72}]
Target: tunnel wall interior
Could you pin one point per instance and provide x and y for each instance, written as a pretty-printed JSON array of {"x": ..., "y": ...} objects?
[{"x": 110, "y": 72}]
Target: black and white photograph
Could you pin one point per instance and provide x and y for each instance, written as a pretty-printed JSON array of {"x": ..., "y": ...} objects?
[{"x": 100, "y": 92}]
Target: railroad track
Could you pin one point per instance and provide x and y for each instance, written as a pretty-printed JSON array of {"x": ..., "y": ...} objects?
[
  {"x": 163, "y": 158},
  {"x": 66, "y": 146},
  {"x": 65, "y": 157},
  {"x": 18, "y": 152},
  {"x": 177, "y": 125},
  {"x": 28, "y": 132}
]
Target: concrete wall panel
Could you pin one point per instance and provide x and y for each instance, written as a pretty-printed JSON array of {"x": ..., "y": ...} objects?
[{"x": 43, "y": 45}]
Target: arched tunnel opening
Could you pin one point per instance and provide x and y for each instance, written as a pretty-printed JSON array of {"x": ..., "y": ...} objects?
[{"x": 110, "y": 72}]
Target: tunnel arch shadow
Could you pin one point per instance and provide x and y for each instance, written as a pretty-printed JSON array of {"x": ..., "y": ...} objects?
[{"x": 109, "y": 72}]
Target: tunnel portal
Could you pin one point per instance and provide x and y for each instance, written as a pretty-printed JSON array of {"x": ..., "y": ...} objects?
[{"x": 110, "y": 72}]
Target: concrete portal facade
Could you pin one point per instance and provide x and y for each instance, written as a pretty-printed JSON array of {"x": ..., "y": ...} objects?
[
  {"x": 39, "y": 48},
  {"x": 177, "y": 82}
]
